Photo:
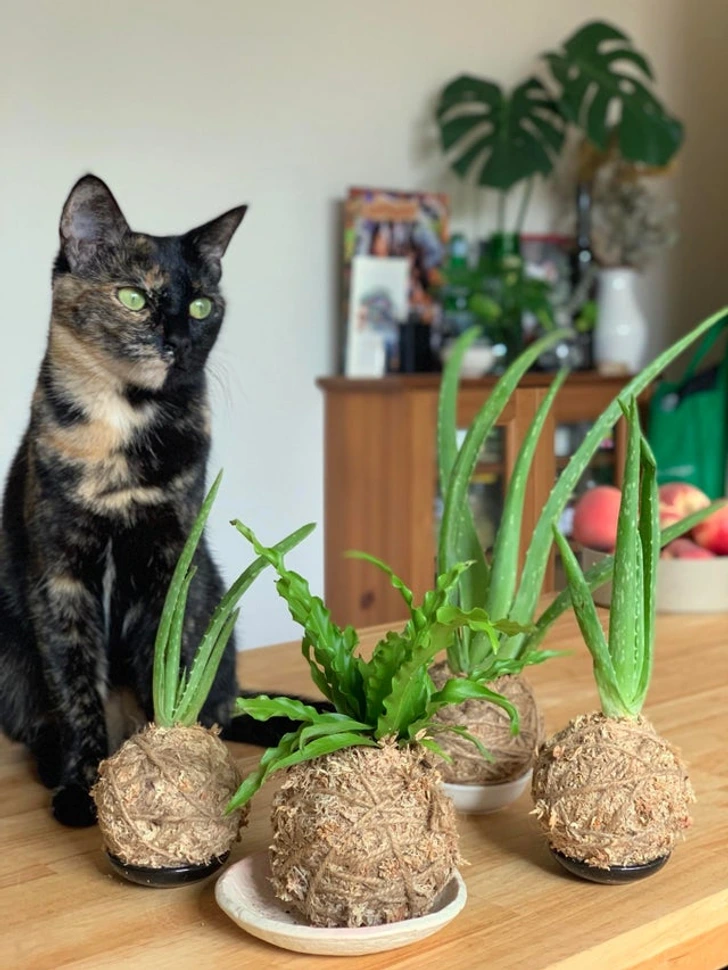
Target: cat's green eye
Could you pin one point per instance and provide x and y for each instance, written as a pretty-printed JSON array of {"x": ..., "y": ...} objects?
[
  {"x": 132, "y": 299},
  {"x": 200, "y": 308}
]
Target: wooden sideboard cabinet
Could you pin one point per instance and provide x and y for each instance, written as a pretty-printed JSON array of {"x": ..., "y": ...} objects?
[{"x": 381, "y": 491}]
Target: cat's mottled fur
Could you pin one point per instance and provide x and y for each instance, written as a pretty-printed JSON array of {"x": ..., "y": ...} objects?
[{"x": 104, "y": 488}]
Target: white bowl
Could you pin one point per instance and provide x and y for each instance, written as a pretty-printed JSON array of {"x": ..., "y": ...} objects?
[
  {"x": 245, "y": 893},
  {"x": 484, "y": 799},
  {"x": 477, "y": 360}
]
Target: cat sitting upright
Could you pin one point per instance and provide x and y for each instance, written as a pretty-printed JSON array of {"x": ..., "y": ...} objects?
[{"x": 105, "y": 485}]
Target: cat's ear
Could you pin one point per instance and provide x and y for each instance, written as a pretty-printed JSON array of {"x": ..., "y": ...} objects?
[
  {"x": 212, "y": 239},
  {"x": 91, "y": 220}
]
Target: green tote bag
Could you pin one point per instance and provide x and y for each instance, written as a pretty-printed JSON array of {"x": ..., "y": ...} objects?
[{"x": 688, "y": 423}]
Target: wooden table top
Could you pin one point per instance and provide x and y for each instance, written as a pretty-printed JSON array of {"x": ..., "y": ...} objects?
[{"x": 60, "y": 906}]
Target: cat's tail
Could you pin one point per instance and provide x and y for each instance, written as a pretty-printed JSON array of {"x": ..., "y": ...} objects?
[{"x": 265, "y": 734}]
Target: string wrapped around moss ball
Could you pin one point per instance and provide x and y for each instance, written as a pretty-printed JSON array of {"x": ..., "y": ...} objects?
[
  {"x": 161, "y": 798},
  {"x": 611, "y": 791},
  {"x": 513, "y": 755},
  {"x": 363, "y": 836}
]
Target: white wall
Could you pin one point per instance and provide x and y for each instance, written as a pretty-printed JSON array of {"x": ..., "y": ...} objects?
[{"x": 188, "y": 108}]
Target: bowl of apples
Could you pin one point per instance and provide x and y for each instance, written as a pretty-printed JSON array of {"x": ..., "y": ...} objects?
[{"x": 692, "y": 574}]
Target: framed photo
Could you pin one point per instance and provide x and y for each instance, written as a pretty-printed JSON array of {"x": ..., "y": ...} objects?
[
  {"x": 378, "y": 303},
  {"x": 385, "y": 224}
]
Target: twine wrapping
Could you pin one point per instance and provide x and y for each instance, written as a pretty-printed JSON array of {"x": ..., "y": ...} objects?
[
  {"x": 513, "y": 755},
  {"x": 161, "y": 798},
  {"x": 363, "y": 836},
  {"x": 611, "y": 791}
]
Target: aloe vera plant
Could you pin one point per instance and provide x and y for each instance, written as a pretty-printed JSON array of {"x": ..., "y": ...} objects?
[
  {"x": 176, "y": 771},
  {"x": 497, "y": 587},
  {"x": 607, "y": 789}
]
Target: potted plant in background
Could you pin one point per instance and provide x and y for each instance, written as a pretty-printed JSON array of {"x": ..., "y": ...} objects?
[
  {"x": 598, "y": 84},
  {"x": 497, "y": 586},
  {"x": 611, "y": 795},
  {"x": 161, "y": 797},
  {"x": 604, "y": 88},
  {"x": 500, "y": 141},
  {"x": 362, "y": 833}
]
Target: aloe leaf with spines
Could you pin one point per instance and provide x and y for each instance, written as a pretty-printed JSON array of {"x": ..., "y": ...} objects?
[
  {"x": 458, "y": 539},
  {"x": 607, "y": 789},
  {"x": 389, "y": 697},
  {"x": 530, "y": 584},
  {"x": 623, "y": 662},
  {"x": 178, "y": 693},
  {"x": 601, "y": 573},
  {"x": 175, "y": 769}
]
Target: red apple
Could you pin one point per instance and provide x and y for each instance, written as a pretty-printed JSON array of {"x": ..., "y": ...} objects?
[
  {"x": 595, "y": 518},
  {"x": 712, "y": 533},
  {"x": 678, "y": 499},
  {"x": 686, "y": 549}
]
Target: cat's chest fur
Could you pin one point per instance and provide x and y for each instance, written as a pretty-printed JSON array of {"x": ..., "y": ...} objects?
[{"x": 117, "y": 456}]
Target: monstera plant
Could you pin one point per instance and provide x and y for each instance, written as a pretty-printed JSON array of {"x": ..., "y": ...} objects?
[
  {"x": 605, "y": 90},
  {"x": 500, "y": 139}
]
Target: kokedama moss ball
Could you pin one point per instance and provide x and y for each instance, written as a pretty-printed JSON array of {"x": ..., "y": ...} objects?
[
  {"x": 513, "y": 754},
  {"x": 161, "y": 798},
  {"x": 611, "y": 791},
  {"x": 363, "y": 836}
]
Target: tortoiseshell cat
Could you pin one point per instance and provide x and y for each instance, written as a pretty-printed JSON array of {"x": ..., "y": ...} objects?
[{"x": 105, "y": 485}]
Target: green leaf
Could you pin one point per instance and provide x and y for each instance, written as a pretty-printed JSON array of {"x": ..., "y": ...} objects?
[
  {"x": 328, "y": 649},
  {"x": 649, "y": 534},
  {"x": 397, "y": 583},
  {"x": 160, "y": 691},
  {"x": 594, "y": 88},
  {"x": 202, "y": 674},
  {"x": 507, "y": 544},
  {"x": 263, "y": 707},
  {"x": 463, "y": 732},
  {"x": 197, "y": 682},
  {"x": 386, "y": 659},
  {"x": 173, "y": 660},
  {"x": 537, "y": 556},
  {"x": 455, "y": 495},
  {"x": 499, "y": 139},
  {"x": 626, "y": 582},
  {"x": 433, "y": 746},
  {"x": 459, "y": 689},
  {"x": 591, "y": 630},
  {"x": 314, "y": 749}
]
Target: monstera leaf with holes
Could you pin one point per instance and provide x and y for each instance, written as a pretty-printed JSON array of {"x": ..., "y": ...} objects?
[
  {"x": 605, "y": 80},
  {"x": 500, "y": 139}
]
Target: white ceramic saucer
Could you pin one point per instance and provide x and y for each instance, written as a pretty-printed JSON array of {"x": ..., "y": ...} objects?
[
  {"x": 484, "y": 799},
  {"x": 244, "y": 892}
]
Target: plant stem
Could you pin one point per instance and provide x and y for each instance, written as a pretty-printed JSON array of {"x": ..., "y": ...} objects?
[
  {"x": 501, "y": 211},
  {"x": 525, "y": 201}
]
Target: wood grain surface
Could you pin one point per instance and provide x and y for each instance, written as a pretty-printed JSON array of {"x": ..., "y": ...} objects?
[{"x": 60, "y": 906}]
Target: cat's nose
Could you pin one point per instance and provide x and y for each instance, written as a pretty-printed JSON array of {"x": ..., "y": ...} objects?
[{"x": 178, "y": 342}]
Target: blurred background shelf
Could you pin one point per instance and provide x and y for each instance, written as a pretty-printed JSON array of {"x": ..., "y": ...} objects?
[{"x": 381, "y": 493}]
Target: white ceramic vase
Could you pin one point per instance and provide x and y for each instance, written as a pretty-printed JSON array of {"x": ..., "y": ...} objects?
[{"x": 620, "y": 337}]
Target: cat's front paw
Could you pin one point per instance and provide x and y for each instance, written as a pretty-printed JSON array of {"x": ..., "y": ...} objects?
[{"x": 73, "y": 806}]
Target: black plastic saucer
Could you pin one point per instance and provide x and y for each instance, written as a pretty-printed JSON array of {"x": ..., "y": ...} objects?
[
  {"x": 165, "y": 877},
  {"x": 613, "y": 876}
]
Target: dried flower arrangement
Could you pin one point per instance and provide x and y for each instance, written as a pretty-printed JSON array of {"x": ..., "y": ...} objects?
[{"x": 631, "y": 221}]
